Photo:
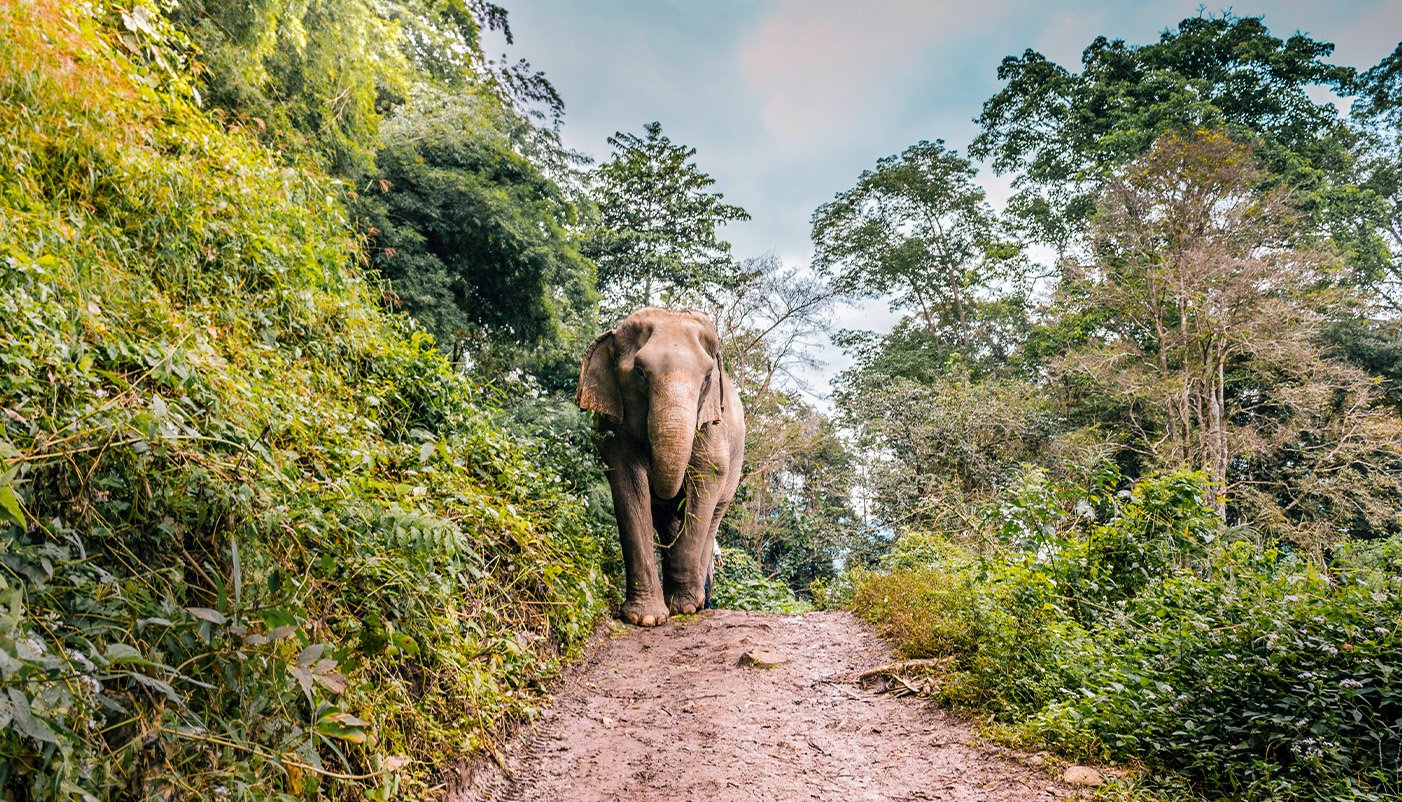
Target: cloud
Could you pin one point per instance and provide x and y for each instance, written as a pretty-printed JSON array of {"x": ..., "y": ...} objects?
[
  {"x": 1371, "y": 37},
  {"x": 827, "y": 67},
  {"x": 1065, "y": 35}
]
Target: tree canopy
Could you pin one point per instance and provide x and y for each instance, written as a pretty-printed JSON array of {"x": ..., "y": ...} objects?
[
  {"x": 657, "y": 236},
  {"x": 919, "y": 231},
  {"x": 476, "y": 241},
  {"x": 1062, "y": 132}
]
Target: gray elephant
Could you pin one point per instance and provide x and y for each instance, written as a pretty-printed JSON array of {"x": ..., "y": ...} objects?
[{"x": 674, "y": 441}]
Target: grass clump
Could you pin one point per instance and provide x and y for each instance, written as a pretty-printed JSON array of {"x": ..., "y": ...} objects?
[
  {"x": 257, "y": 539},
  {"x": 1131, "y": 628}
]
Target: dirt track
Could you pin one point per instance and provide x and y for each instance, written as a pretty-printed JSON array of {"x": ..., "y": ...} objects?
[{"x": 669, "y": 714}]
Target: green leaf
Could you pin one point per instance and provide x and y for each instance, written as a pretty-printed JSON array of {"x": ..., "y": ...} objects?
[
  {"x": 8, "y": 665},
  {"x": 24, "y": 720},
  {"x": 122, "y": 653},
  {"x": 9, "y": 504},
  {"x": 160, "y": 686},
  {"x": 208, "y": 614},
  {"x": 343, "y": 726}
]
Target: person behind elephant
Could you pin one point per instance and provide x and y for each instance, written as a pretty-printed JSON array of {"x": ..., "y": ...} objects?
[{"x": 674, "y": 440}]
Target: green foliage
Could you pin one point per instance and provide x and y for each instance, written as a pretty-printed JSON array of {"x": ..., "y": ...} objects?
[
  {"x": 917, "y": 229},
  {"x": 474, "y": 238},
  {"x": 936, "y": 452},
  {"x": 739, "y": 583},
  {"x": 1193, "y": 268},
  {"x": 557, "y": 435},
  {"x": 1128, "y": 628},
  {"x": 257, "y": 538},
  {"x": 443, "y": 151},
  {"x": 1264, "y": 679},
  {"x": 1225, "y": 297},
  {"x": 1378, "y": 111},
  {"x": 793, "y": 509},
  {"x": 305, "y": 77},
  {"x": 656, "y": 239},
  {"x": 1063, "y": 131},
  {"x": 1379, "y": 89},
  {"x": 315, "y": 80},
  {"x": 1375, "y": 345},
  {"x": 1000, "y": 624}
]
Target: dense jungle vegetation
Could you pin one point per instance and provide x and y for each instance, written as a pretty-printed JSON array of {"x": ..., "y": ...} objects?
[
  {"x": 1145, "y": 499},
  {"x": 295, "y": 502}
]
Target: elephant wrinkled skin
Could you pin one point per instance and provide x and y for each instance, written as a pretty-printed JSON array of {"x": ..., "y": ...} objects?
[{"x": 674, "y": 440}]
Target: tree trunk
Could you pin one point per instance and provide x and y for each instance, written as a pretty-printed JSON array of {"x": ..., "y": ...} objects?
[{"x": 1218, "y": 433}]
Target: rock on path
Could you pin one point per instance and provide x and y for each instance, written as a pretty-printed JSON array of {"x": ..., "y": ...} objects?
[{"x": 689, "y": 711}]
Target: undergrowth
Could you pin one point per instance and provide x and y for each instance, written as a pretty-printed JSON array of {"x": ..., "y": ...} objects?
[
  {"x": 257, "y": 539},
  {"x": 739, "y": 583},
  {"x": 1131, "y": 627}
]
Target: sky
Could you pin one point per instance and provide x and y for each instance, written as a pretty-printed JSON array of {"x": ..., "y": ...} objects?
[{"x": 788, "y": 101}]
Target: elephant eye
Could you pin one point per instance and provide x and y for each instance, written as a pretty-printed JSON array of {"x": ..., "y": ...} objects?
[{"x": 640, "y": 372}]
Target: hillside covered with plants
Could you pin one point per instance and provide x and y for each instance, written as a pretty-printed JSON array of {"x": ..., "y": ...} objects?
[{"x": 260, "y": 539}]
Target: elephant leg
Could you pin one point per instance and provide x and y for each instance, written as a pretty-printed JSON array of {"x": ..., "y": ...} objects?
[
  {"x": 709, "y": 561},
  {"x": 668, "y": 519},
  {"x": 632, "y": 503},
  {"x": 686, "y": 563}
]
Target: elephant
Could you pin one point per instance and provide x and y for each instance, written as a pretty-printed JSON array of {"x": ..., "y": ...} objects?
[{"x": 673, "y": 442}]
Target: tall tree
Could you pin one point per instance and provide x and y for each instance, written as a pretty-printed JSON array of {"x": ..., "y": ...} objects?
[
  {"x": 477, "y": 241},
  {"x": 793, "y": 511},
  {"x": 453, "y": 163},
  {"x": 657, "y": 237},
  {"x": 934, "y": 450},
  {"x": 1064, "y": 132},
  {"x": 304, "y": 77},
  {"x": 1379, "y": 109},
  {"x": 1372, "y": 338},
  {"x": 316, "y": 79},
  {"x": 1209, "y": 309},
  {"x": 770, "y": 324},
  {"x": 918, "y": 229}
]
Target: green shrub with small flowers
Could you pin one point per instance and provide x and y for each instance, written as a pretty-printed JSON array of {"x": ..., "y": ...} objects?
[{"x": 1129, "y": 626}]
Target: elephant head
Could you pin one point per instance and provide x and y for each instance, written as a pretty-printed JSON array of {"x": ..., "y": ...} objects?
[{"x": 658, "y": 377}]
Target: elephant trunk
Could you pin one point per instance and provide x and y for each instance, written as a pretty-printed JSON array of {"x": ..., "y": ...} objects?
[{"x": 671, "y": 433}]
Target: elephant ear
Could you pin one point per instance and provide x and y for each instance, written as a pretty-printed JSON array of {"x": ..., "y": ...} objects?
[
  {"x": 598, "y": 386},
  {"x": 713, "y": 405}
]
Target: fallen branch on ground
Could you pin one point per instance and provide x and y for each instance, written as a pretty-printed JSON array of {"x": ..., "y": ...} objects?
[{"x": 892, "y": 669}]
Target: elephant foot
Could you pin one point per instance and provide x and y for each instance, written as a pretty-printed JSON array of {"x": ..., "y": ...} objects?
[
  {"x": 686, "y": 602},
  {"x": 644, "y": 612}
]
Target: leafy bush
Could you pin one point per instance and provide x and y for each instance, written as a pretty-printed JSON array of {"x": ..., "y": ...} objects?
[
  {"x": 1132, "y": 631},
  {"x": 257, "y": 539},
  {"x": 1011, "y": 644},
  {"x": 1263, "y": 678},
  {"x": 739, "y": 583}
]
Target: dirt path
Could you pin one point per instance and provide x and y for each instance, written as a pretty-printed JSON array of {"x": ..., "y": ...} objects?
[{"x": 669, "y": 715}]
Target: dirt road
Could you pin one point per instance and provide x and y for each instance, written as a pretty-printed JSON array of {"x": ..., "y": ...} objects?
[{"x": 674, "y": 714}]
